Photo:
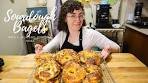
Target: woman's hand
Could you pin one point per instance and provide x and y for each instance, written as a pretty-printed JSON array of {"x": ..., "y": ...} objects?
[
  {"x": 38, "y": 48},
  {"x": 105, "y": 52}
]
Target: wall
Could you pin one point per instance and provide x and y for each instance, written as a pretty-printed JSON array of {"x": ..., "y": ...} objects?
[
  {"x": 123, "y": 9},
  {"x": 145, "y": 8},
  {"x": 11, "y": 45}
]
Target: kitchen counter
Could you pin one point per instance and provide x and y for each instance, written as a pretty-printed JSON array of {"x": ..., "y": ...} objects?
[
  {"x": 124, "y": 67},
  {"x": 141, "y": 30}
]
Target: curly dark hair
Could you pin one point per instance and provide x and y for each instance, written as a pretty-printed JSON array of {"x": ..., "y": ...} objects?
[{"x": 68, "y": 7}]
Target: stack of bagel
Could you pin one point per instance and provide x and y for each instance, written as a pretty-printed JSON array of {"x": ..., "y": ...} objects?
[{"x": 68, "y": 66}]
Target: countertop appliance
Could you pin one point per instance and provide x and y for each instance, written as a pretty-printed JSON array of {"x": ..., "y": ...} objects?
[
  {"x": 102, "y": 16},
  {"x": 139, "y": 21}
]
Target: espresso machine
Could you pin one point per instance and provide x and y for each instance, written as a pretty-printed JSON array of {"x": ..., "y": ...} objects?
[{"x": 103, "y": 16}]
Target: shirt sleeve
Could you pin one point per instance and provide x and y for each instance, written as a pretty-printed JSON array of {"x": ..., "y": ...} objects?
[
  {"x": 101, "y": 41},
  {"x": 54, "y": 44}
]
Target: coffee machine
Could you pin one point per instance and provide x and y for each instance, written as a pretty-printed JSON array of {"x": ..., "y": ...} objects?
[
  {"x": 138, "y": 11},
  {"x": 139, "y": 21},
  {"x": 102, "y": 16}
]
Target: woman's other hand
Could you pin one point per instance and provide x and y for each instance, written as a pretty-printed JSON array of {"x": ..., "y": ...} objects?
[
  {"x": 38, "y": 48},
  {"x": 105, "y": 52}
]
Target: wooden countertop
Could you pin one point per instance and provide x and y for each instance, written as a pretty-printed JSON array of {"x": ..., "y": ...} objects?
[
  {"x": 141, "y": 30},
  {"x": 124, "y": 67}
]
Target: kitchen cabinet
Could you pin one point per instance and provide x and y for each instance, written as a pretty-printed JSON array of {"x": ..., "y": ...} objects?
[{"x": 136, "y": 42}]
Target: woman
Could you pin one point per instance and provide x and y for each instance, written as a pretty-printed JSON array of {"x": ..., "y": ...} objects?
[{"x": 74, "y": 35}]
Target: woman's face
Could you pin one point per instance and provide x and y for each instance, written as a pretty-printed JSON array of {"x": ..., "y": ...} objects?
[{"x": 75, "y": 19}]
